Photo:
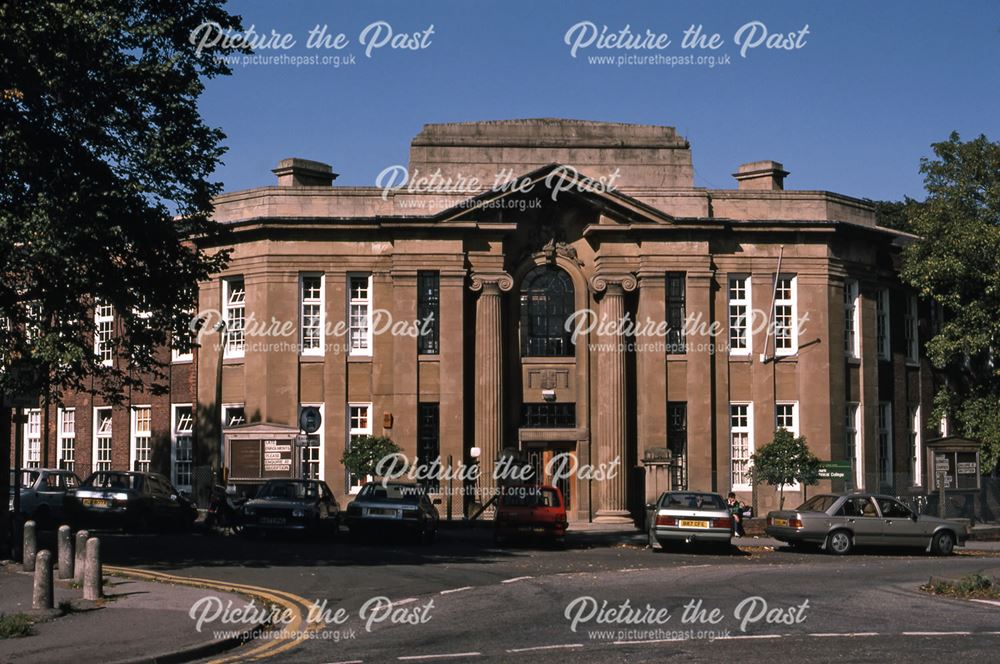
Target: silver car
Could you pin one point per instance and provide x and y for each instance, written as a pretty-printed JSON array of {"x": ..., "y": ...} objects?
[
  {"x": 838, "y": 523},
  {"x": 689, "y": 516}
]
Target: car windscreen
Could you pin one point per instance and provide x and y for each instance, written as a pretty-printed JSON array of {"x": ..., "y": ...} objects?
[
  {"x": 117, "y": 481},
  {"x": 396, "y": 493},
  {"x": 818, "y": 504},
  {"x": 528, "y": 497},
  {"x": 695, "y": 501},
  {"x": 289, "y": 490}
]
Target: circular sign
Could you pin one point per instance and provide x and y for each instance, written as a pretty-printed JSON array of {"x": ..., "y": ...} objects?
[{"x": 310, "y": 419}]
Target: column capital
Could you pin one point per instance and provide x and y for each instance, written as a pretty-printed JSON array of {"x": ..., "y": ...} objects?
[
  {"x": 491, "y": 281},
  {"x": 626, "y": 281}
]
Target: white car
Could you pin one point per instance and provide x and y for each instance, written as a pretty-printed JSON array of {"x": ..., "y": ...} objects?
[{"x": 690, "y": 516}]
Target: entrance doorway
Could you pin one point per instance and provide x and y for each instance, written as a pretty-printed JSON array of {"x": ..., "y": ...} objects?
[{"x": 542, "y": 457}]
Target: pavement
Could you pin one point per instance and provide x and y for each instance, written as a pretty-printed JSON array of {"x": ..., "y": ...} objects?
[{"x": 138, "y": 621}]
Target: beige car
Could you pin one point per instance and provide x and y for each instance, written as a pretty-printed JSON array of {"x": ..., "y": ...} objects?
[{"x": 838, "y": 523}]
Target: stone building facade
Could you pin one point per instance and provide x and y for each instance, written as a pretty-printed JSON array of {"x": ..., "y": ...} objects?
[{"x": 747, "y": 309}]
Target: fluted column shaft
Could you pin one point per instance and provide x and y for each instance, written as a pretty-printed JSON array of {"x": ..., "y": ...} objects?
[
  {"x": 489, "y": 377},
  {"x": 612, "y": 423}
]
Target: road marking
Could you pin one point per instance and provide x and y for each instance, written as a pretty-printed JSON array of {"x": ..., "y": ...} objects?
[
  {"x": 556, "y": 647},
  {"x": 936, "y": 633},
  {"x": 987, "y": 601},
  {"x": 404, "y": 601},
  {"x": 456, "y": 590},
  {"x": 516, "y": 578},
  {"x": 297, "y": 605},
  {"x": 824, "y": 634},
  {"x": 634, "y": 569},
  {"x": 449, "y": 655},
  {"x": 350, "y": 661}
]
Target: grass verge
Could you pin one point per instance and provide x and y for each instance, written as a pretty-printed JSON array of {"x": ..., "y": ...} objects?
[
  {"x": 13, "y": 625},
  {"x": 971, "y": 586}
]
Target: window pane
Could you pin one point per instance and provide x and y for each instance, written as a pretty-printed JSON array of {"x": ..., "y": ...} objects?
[{"x": 546, "y": 304}]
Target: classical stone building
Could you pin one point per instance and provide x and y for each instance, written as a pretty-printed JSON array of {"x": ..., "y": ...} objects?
[{"x": 747, "y": 309}]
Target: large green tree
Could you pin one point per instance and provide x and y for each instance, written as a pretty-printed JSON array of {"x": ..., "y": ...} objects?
[
  {"x": 105, "y": 172},
  {"x": 957, "y": 266}
]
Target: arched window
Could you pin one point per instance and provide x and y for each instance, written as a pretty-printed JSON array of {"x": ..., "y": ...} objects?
[{"x": 546, "y": 303}]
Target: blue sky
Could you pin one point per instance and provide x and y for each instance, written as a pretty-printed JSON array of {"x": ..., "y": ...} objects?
[{"x": 851, "y": 111}]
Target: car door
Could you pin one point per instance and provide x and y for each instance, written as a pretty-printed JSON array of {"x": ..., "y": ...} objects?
[
  {"x": 861, "y": 516},
  {"x": 899, "y": 528},
  {"x": 51, "y": 490},
  {"x": 163, "y": 506}
]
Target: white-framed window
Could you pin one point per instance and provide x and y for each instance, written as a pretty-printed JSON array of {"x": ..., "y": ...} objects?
[
  {"x": 916, "y": 447},
  {"x": 912, "y": 330},
  {"x": 233, "y": 415},
  {"x": 882, "y": 327},
  {"x": 786, "y": 325},
  {"x": 104, "y": 321},
  {"x": 234, "y": 296},
  {"x": 740, "y": 315},
  {"x": 181, "y": 445},
  {"x": 102, "y": 439},
  {"x": 852, "y": 441},
  {"x": 312, "y": 453},
  {"x": 181, "y": 349},
  {"x": 32, "y": 451},
  {"x": 141, "y": 439},
  {"x": 786, "y": 416},
  {"x": 885, "y": 441},
  {"x": 359, "y": 313},
  {"x": 359, "y": 424},
  {"x": 67, "y": 438},
  {"x": 311, "y": 313},
  {"x": 740, "y": 445},
  {"x": 851, "y": 318}
]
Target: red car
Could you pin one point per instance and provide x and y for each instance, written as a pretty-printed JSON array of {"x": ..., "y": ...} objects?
[{"x": 530, "y": 511}]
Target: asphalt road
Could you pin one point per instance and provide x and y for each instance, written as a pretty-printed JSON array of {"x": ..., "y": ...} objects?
[{"x": 473, "y": 602}]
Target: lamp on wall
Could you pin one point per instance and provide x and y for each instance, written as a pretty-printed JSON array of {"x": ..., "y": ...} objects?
[
  {"x": 549, "y": 395},
  {"x": 475, "y": 452}
]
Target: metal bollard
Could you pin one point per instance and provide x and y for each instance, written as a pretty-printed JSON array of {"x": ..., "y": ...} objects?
[
  {"x": 92, "y": 581},
  {"x": 80, "y": 564},
  {"x": 41, "y": 596},
  {"x": 30, "y": 547},
  {"x": 65, "y": 549}
]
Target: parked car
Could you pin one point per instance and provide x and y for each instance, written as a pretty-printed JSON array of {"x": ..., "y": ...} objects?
[
  {"x": 43, "y": 491},
  {"x": 129, "y": 500},
  {"x": 292, "y": 505},
  {"x": 838, "y": 523},
  {"x": 393, "y": 508},
  {"x": 689, "y": 517},
  {"x": 532, "y": 511}
]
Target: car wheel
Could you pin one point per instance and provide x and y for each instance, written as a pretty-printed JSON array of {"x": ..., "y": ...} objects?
[
  {"x": 943, "y": 543},
  {"x": 839, "y": 542}
]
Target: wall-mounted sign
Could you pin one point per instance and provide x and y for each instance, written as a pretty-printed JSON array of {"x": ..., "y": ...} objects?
[
  {"x": 259, "y": 451},
  {"x": 834, "y": 470}
]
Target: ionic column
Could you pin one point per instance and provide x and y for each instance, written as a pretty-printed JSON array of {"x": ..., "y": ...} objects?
[
  {"x": 611, "y": 419},
  {"x": 489, "y": 375}
]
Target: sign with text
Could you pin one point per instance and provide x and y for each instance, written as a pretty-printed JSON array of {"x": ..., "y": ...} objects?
[
  {"x": 834, "y": 470},
  {"x": 261, "y": 458}
]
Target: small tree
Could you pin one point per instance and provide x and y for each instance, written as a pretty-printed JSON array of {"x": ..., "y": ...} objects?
[
  {"x": 785, "y": 460},
  {"x": 365, "y": 452}
]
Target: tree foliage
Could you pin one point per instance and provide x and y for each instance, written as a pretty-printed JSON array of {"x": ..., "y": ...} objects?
[
  {"x": 785, "y": 460},
  {"x": 106, "y": 167},
  {"x": 957, "y": 266},
  {"x": 364, "y": 453}
]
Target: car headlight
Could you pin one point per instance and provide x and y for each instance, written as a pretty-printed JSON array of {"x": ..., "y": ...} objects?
[
  {"x": 120, "y": 496},
  {"x": 298, "y": 514}
]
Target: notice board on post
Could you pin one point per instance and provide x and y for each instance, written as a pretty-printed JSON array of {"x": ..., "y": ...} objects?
[{"x": 261, "y": 451}]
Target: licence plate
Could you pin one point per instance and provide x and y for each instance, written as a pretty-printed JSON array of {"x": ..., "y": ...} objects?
[
  {"x": 780, "y": 522},
  {"x": 380, "y": 511},
  {"x": 272, "y": 520},
  {"x": 96, "y": 502},
  {"x": 685, "y": 523}
]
